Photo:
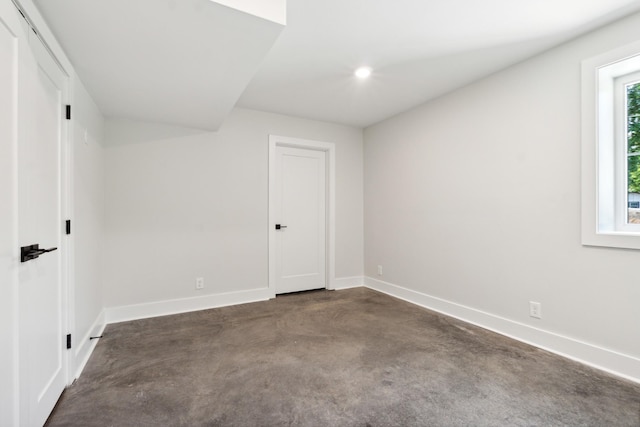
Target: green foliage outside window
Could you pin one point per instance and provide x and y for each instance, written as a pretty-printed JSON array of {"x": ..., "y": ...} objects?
[{"x": 633, "y": 137}]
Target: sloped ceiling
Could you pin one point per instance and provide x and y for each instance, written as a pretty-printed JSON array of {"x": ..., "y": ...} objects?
[
  {"x": 182, "y": 62},
  {"x": 188, "y": 62}
]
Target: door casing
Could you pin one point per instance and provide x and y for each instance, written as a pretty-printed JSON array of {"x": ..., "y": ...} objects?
[{"x": 330, "y": 150}]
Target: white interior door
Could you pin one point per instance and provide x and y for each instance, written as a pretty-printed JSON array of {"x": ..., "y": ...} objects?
[
  {"x": 41, "y": 296},
  {"x": 300, "y": 219}
]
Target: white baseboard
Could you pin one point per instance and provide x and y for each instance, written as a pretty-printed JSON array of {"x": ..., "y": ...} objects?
[
  {"x": 161, "y": 308},
  {"x": 348, "y": 282},
  {"x": 184, "y": 305},
  {"x": 610, "y": 361},
  {"x": 86, "y": 344}
]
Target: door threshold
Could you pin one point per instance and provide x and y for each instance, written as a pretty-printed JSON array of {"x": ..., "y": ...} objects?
[{"x": 307, "y": 291}]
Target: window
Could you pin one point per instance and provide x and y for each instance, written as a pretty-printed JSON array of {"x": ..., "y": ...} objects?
[
  {"x": 611, "y": 149},
  {"x": 631, "y": 112}
]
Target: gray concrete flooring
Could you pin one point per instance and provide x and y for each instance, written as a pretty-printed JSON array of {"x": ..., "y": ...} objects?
[{"x": 343, "y": 358}]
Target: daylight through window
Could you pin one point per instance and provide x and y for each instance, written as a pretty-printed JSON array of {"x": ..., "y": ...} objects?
[{"x": 633, "y": 151}]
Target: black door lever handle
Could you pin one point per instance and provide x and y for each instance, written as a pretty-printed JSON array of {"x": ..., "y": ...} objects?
[
  {"x": 30, "y": 252},
  {"x": 278, "y": 226}
]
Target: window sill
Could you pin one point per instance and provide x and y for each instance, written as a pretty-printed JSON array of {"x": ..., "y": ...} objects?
[{"x": 612, "y": 239}]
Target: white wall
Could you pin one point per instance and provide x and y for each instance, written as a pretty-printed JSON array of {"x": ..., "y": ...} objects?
[
  {"x": 87, "y": 229},
  {"x": 474, "y": 199},
  {"x": 182, "y": 203}
]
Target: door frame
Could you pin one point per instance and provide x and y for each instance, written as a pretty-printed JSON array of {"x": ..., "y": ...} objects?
[
  {"x": 10, "y": 251},
  {"x": 329, "y": 148}
]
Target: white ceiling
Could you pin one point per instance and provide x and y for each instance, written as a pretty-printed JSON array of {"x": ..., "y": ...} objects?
[
  {"x": 181, "y": 62},
  {"x": 418, "y": 49}
]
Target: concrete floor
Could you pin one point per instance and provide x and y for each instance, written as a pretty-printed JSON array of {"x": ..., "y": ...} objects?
[{"x": 343, "y": 358}]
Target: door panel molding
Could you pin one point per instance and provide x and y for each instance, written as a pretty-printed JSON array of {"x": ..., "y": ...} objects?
[{"x": 329, "y": 148}]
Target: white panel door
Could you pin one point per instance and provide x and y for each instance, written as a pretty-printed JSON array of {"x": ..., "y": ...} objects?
[
  {"x": 300, "y": 214},
  {"x": 42, "y": 327}
]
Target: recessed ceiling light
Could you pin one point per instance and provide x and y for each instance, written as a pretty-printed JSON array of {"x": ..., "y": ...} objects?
[{"x": 363, "y": 72}]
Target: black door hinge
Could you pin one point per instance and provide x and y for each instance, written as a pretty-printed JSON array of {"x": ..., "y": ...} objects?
[
  {"x": 68, "y": 226},
  {"x": 68, "y": 341},
  {"x": 68, "y": 112}
]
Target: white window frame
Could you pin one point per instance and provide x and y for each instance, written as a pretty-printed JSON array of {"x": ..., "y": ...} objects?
[{"x": 604, "y": 179}]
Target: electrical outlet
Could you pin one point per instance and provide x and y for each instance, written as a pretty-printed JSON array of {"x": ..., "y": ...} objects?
[
  {"x": 535, "y": 309},
  {"x": 199, "y": 283},
  {"x": 379, "y": 270}
]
